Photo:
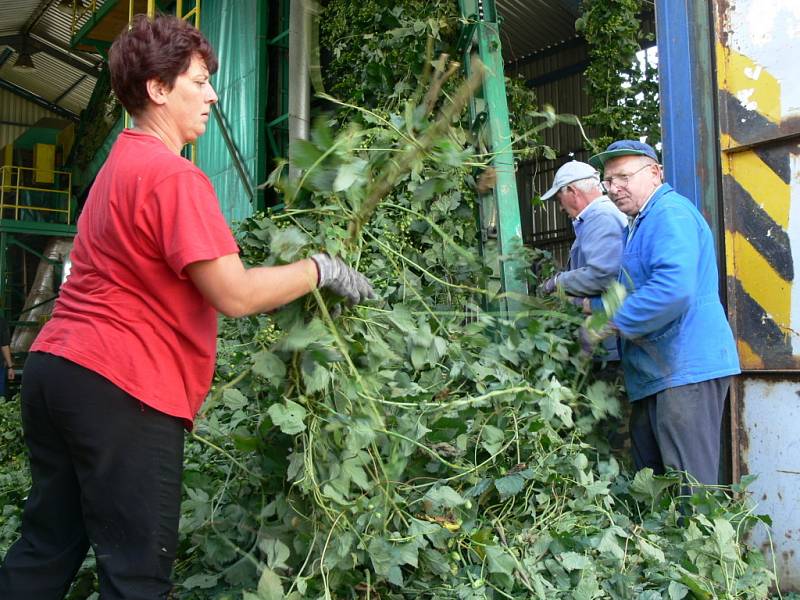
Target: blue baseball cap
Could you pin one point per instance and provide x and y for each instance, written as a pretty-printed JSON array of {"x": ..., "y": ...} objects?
[{"x": 623, "y": 148}]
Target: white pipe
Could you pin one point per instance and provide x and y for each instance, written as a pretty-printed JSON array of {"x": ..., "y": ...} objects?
[{"x": 299, "y": 82}]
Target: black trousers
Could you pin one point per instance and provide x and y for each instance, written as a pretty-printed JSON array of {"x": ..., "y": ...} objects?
[
  {"x": 680, "y": 428},
  {"x": 106, "y": 472}
]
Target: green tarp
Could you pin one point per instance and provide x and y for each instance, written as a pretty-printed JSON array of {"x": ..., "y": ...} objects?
[{"x": 231, "y": 27}]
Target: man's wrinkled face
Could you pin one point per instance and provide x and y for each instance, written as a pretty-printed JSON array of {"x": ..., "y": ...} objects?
[{"x": 629, "y": 181}]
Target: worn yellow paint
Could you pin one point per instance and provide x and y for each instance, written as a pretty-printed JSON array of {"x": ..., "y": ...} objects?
[
  {"x": 762, "y": 183},
  {"x": 726, "y": 142},
  {"x": 8, "y": 154},
  {"x": 730, "y": 254},
  {"x": 764, "y": 285},
  {"x": 748, "y": 357},
  {"x": 737, "y": 74}
]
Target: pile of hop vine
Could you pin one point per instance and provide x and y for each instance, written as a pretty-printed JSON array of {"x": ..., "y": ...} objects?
[{"x": 422, "y": 445}]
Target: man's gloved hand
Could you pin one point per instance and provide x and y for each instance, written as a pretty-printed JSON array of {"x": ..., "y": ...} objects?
[
  {"x": 583, "y": 304},
  {"x": 549, "y": 286},
  {"x": 588, "y": 337},
  {"x": 341, "y": 279}
]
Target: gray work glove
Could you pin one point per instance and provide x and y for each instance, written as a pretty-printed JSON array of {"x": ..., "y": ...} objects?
[
  {"x": 549, "y": 286},
  {"x": 341, "y": 279}
]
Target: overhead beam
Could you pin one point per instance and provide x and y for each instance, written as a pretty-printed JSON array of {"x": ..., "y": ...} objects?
[
  {"x": 33, "y": 44},
  {"x": 87, "y": 57},
  {"x": 559, "y": 74},
  {"x": 31, "y": 97},
  {"x": 5, "y": 55},
  {"x": 553, "y": 50},
  {"x": 66, "y": 92}
]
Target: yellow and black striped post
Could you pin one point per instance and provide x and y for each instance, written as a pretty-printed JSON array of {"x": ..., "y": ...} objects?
[{"x": 756, "y": 177}]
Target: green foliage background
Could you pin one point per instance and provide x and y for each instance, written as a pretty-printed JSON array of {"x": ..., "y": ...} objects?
[
  {"x": 388, "y": 41},
  {"x": 624, "y": 97}
]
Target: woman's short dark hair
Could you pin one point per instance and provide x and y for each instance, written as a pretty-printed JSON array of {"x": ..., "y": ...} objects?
[{"x": 161, "y": 48}]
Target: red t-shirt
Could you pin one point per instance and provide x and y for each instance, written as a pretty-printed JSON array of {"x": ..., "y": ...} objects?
[{"x": 128, "y": 311}]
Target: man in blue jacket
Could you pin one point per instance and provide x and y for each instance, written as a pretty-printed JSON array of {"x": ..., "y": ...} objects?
[
  {"x": 677, "y": 349},
  {"x": 595, "y": 255}
]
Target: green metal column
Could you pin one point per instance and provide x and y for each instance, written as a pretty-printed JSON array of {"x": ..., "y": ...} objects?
[
  {"x": 500, "y": 215},
  {"x": 277, "y": 129},
  {"x": 262, "y": 163},
  {"x": 4, "y": 295}
]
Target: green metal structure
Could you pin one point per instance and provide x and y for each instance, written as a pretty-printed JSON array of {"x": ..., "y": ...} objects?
[
  {"x": 36, "y": 205},
  {"x": 500, "y": 221}
]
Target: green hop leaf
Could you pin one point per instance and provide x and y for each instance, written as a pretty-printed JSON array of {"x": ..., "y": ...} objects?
[{"x": 288, "y": 417}]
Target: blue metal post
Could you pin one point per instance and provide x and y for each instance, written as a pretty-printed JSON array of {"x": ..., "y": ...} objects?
[{"x": 687, "y": 91}]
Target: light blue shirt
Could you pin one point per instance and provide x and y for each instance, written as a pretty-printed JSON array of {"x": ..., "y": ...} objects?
[{"x": 595, "y": 255}]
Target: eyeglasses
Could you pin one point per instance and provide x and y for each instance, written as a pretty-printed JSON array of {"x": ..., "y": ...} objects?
[{"x": 621, "y": 181}]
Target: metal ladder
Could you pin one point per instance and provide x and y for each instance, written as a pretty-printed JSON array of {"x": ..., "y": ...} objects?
[
  {"x": 193, "y": 16},
  {"x": 500, "y": 222}
]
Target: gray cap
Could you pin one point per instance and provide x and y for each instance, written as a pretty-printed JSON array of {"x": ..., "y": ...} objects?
[{"x": 569, "y": 172}]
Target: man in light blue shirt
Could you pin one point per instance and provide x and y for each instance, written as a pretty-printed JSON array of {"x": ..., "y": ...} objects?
[{"x": 595, "y": 255}]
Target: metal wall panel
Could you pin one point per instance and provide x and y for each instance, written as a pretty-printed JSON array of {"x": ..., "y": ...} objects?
[
  {"x": 17, "y": 115},
  {"x": 770, "y": 448},
  {"x": 547, "y": 226}
]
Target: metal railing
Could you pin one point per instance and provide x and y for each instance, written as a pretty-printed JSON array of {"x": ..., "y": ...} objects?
[
  {"x": 15, "y": 180},
  {"x": 78, "y": 11}
]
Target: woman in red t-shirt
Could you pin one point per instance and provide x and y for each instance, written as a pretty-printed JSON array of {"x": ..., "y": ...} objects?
[{"x": 127, "y": 358}]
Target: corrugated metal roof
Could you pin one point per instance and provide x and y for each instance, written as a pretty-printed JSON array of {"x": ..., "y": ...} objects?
[
  {"x": 62, "y": 77},
  {"x": 56, "y": 82},
  {"x": 14, "y": 14},
  {"x": 529, "y": 26}
]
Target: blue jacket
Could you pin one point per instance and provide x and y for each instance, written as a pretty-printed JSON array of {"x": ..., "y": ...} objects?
[
  {"x": 673, "y": 329},
  {"x": 595, "y": 255}
]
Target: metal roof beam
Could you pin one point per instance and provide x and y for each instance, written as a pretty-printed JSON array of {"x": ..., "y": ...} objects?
[
  {"x": 558, "y": 74},
  {"x": 33, "y": 44},
  {"x": 31, "y": 97},
  {"x": 569, "y": 44},
  {"x": 5, "y": 55},
  {"x": 70, "y": 88}
]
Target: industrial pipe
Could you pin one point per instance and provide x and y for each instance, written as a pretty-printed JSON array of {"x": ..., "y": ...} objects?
[{"x": 299, "y": 82}]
